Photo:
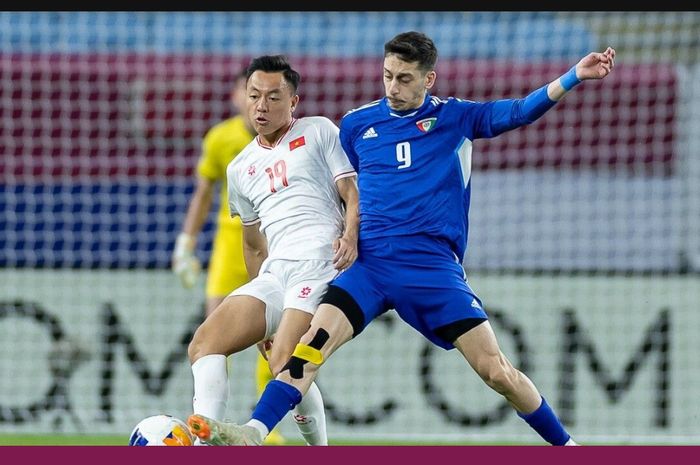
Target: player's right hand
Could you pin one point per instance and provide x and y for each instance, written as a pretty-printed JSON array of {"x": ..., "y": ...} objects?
[
  {"x": 345, "y": 253},
  {"x": 184, "y": 263}
]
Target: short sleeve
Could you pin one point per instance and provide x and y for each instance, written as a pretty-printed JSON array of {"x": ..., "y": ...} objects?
[
  {"x": 237, "y": 203},
  {"x": 332, "y": 150},
  {"x": 345, "y": 137}
]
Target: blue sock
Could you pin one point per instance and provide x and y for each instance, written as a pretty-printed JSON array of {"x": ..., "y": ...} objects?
[
  {"x": 277, "y": 399},
  {"x": 545, "y": 422}
]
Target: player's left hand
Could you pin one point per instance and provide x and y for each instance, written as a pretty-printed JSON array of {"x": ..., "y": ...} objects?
[
  {"x": 596, "y": 65},
  {"x": 345, "y": 253}
]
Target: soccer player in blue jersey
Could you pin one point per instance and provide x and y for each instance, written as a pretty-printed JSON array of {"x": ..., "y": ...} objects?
[{"x": 412, "y": 153}]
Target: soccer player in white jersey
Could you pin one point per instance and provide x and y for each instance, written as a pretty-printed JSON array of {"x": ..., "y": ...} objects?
[{"x": 296, "y": 194}]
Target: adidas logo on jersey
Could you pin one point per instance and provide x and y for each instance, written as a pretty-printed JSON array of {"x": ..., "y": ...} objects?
[
  {"x": 370, "y": 133},
  {"x": 475, "y": 303}
]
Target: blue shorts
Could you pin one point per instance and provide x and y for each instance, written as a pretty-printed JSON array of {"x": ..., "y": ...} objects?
[{"x": 418, "y": 276}]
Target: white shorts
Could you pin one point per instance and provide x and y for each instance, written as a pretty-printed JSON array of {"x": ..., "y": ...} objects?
[{"x": 282, "y": 284}]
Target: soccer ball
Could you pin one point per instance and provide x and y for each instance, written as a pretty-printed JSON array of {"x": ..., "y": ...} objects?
[{"x": 161, "y": 430}]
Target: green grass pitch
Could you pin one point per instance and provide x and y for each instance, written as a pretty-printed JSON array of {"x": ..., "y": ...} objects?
[{"x": 109, "y": 440}]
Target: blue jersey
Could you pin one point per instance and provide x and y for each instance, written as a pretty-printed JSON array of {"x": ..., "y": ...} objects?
[{"x": 414, "y": 166}]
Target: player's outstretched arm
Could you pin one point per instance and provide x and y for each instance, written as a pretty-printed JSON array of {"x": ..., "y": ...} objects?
[
  {"x": 509, "y": 114},
  {"x": 595, "y": 65}
]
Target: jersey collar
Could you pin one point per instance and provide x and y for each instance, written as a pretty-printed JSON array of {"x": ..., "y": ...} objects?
[
  {"x": 270, "y": 147},
  {"x": 405, "y": 113}
]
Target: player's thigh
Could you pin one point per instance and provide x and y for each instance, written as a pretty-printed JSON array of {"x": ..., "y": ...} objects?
[
  {"x": 305, "y": 282},
  {"x": 479, "y": 347},
  {"x": 358, "y": 296},
  {"x": 211, "y": 304},
  {"x": 236, "y": 324},
  {"x": 226, "y": 270},
  {"x": 293, "y": 324},
  {"x": 436, "y": 301},
  {"x": 329, "y": 329},
  {"x": 267, "y": 289}
]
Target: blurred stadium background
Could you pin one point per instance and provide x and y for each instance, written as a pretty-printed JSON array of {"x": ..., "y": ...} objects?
[{"x": 585, "y": 239}]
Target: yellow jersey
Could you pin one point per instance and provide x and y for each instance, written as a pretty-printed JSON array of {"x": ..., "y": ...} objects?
[{"x": 221, "y": 144}]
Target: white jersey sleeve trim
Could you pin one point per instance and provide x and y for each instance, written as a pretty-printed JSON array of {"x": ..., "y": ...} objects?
[
  {"x": 346, "y": 174},
  {"x": 250, "y": 222}
]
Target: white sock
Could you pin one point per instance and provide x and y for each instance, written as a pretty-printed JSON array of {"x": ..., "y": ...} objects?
[
  {"x": 310, "y": 417},
  {"x": 260, "y": 426},
  {"x": 571, "y": 442},
  {"x": 210, "y": 386}
]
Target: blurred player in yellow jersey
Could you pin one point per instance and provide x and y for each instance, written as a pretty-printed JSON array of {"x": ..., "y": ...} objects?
[{"x": 227, "y": 269}]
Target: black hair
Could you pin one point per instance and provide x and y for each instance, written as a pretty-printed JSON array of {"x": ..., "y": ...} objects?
[
  {"x": 275, "y": 64},
  {"x": 412, "y": 47}
]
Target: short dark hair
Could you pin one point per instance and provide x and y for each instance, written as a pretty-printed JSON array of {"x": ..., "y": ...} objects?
[
  {"x": 275, "y": 64},
  {"x": 412, "y": 47}
]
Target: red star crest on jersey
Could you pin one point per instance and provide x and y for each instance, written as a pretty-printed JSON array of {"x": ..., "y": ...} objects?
[
  {"x": 305, "y": 291},
  {"x": 296, "y": 143},
  {"x": 251, "y": 170}
]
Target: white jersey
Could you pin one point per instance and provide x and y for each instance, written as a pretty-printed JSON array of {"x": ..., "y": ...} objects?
[{"x": 290, "y": 189}]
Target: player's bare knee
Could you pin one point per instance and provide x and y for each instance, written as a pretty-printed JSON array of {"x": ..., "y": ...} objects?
[
  {"x": 194, "y": 349},
  {"x": 197, "y": 346},
  {"x": 308, "y": 336},
  {"x": 500, "y": 375}
]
